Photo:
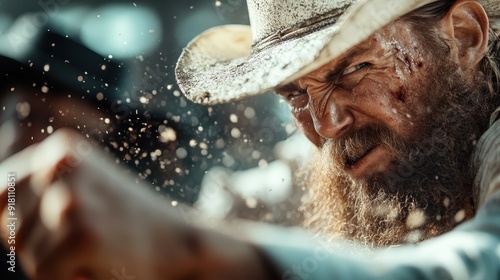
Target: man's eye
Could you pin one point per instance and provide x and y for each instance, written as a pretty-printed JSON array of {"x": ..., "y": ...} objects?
[
  {"x": 355, "y": 68},
  {"x": 297, "y": 99},
  {"x": 298, "y": 93}
]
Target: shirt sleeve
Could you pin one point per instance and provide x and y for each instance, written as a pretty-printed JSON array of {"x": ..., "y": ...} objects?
[
  {"x": 487, "y": 162},
  {"x": 470, "y": 251}
]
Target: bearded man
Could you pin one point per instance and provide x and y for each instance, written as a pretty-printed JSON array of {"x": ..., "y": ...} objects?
[
  {"x": 395, "y": 118},
  {"x": 401, "y": 99}
]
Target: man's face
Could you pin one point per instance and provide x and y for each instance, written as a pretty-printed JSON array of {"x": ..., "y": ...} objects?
[
  {"x": 395, "y": 123},
  {"x": 374, "y": 84}
]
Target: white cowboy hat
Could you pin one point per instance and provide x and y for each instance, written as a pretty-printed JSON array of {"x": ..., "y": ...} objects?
[{"x": 287, "y": 39}]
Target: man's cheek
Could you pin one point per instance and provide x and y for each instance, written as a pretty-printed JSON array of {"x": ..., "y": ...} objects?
[{"x": 305, "y": 123}]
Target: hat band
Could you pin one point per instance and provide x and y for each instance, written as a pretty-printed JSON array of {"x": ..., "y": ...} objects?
[{"x": 301, "y": 29}]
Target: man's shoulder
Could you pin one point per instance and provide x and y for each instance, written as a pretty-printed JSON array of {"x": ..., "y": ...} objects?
[
  {"x": 495, "y": 116},
  {"x": 487, "y": 159}
]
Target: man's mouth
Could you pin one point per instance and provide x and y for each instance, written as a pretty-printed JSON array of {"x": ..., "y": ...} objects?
[
  {"x": 375, "y": 159},
  {"x": 351, "y": 161},
  {"x": 358, "y": 164}
]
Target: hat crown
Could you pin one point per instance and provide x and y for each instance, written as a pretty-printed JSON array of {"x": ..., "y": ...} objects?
[{"x": 270, "y": 16}]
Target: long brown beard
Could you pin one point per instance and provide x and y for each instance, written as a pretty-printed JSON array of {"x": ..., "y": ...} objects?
[{"x": 429, "y": 189}]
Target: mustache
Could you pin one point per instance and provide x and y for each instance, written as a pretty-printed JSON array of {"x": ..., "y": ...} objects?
[{"x": 357, "y": 143}]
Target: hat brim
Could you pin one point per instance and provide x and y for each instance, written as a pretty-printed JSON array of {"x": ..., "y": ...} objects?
[{"x": 219, "y": 66}]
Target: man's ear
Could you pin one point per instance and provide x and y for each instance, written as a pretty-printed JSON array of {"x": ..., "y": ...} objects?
[{"x": 466, "y": 26}]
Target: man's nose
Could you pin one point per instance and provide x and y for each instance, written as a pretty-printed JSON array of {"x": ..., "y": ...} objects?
[{"x": 333, "y": 119}]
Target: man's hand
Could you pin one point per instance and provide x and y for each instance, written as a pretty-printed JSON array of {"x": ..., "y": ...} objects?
[{"x": 81, "y": 217}]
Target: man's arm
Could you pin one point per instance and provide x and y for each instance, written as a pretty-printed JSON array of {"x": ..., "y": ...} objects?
[
  {"x": 74, "y": 213},
  {"x": 472, "y": 251}
]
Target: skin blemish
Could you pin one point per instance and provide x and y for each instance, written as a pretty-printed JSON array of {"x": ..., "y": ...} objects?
[
  {"x": 402, "y": 55},
  {"x": 402, "y": 94}
]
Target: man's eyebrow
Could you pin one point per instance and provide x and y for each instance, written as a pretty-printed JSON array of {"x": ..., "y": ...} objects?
[
  {"x": 344, "y": 61},
  {"x": 287, "y": 88}
]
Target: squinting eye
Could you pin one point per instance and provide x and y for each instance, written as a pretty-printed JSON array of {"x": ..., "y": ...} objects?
[
  {"x": 297, "y": 99},
  {"x": 355, "y": 68},
  {"x": 296, "y": 96},
  {"x": 298, "y": 93}
]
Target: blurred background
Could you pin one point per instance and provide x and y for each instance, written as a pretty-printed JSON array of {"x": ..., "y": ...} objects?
[
  {"x": 175, "y": 145},
  {"x": 230, "y": 161}
]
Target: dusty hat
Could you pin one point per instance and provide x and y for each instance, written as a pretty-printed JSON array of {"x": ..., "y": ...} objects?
[{"x": 287, "y": 39}]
